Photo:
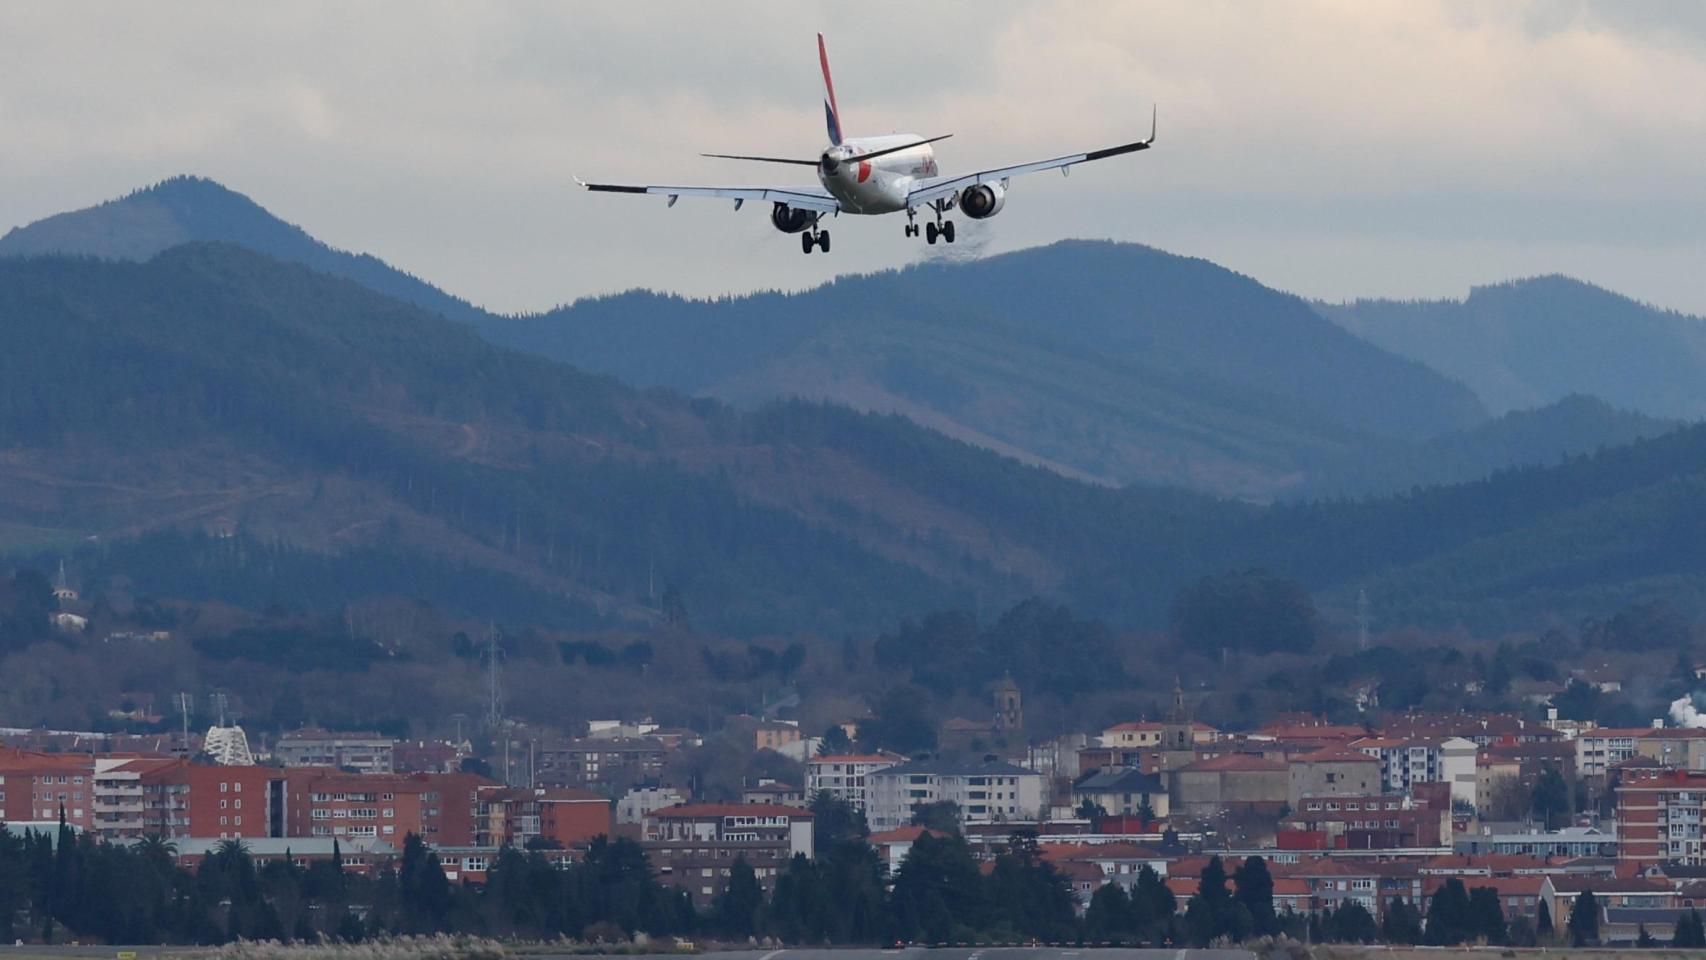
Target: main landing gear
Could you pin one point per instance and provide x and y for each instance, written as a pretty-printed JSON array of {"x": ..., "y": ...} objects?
[
  {"x": 814, "y": 238},
  {"x": 941, "y": 228}
]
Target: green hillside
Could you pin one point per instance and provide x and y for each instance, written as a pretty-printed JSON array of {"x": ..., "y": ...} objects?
[
  {"x": 1113, "y": 362},
  {"x": 1532, "y": 342}
]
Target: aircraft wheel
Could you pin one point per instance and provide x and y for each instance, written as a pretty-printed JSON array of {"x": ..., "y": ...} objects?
[
  {"x": 948, "y": 231},
  {"x": 823, "y": 240},
  {"x": 930, "y": 233},
  {"x": 806, "y": 243}
]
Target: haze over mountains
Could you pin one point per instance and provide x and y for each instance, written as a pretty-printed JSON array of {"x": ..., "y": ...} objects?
[{"x": 358, "y": 444}]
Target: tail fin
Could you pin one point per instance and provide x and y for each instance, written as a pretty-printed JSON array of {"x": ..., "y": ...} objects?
[{"x": 831, "y": 112}]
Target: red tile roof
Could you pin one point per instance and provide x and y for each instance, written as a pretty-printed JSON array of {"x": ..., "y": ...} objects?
[{"x": 1335, "y": 755}]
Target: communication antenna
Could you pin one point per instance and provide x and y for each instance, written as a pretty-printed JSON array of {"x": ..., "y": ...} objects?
[
  {"x": 494, "y": 680},
  {"x": 1362, "y": 619},
  {"x": 219, "y": 702}
]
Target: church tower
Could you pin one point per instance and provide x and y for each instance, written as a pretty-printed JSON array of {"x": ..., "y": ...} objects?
[
  {"x": 1178, "y": 736},
  {"x": 1009, "y": 710}
]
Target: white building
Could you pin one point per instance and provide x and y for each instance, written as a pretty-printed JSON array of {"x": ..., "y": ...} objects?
[
  {"x": 1599, "y": 750},
  {"x": 1404, "y": 763},
  {"x": 640, "y": 802},
  {"x": 846, "y": 775},
  {"x": 360, "y": 752},
  {"x": 986, "y": 792}
]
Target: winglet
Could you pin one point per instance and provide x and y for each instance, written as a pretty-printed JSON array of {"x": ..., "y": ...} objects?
[
  {"x": 832, "y": 112},
  {"x": 1153, "y": 111}
]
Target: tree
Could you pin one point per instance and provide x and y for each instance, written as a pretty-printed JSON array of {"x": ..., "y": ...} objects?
[
  {"x": 1486, "y": 917},
  {"x": 1402, "y": 923},
  {"x": 1254, "y": 890},
  {"x": 835, "y": 741},
  {"x": 1690, "y": 931},
  {"x": 1551, "y": 798},
  {"x": 937, "y": 888},
  {"x": 834, "y": 821},
  {"x": 1583, "y": 924},
  {"x": 1448, "y": 915},
  {"x": 1351, "y": 923},
  {"x": 1089, "y": 809},
  {"x": 737, "y": 907},
  {"x": 1645, "y": 940},
  {"x": 1543, "y": 927},
  {"x": 1212, "y": 912},
  {"x": 1153, "y": 906},
  {"x": 942, "y": 816},
  {"x": 1247, "y": 610},
  {"x": 1110, "y": 915}
]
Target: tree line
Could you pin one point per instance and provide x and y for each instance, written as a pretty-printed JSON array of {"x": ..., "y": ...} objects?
[{"x": 59, "y": 886}]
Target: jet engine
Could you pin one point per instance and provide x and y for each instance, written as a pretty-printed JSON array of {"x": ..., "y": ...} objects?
[
  {"x": 982, "y": 201},
  {"x": 789, "y": 220}
]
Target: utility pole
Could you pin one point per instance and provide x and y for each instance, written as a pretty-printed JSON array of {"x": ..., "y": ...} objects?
[{"x": 184, "y": 702}]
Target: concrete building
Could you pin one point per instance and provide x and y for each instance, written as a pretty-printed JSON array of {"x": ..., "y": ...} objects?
[
  {"x": 693, "y": 847},
  {"x": 357, "y": 752},
  {"x": 845, "y": 775},
  {"x": 1235, "y": 783},
  {"x": 989, "y": 791},
  {"x": 637, "y": 803},
  {"x": 37, "y": 786},
  {"x": 1332, "y": 772},
  {"x": 1404, "y": 763},
  {"x": 611, "y": 765},
  {"x": 1597, "y": 751},
  {"x": 1682, "y": 748},
  {"x": 777, "y": 792}
]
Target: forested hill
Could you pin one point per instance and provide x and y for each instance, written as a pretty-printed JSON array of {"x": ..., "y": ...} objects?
[
  {"x": 195, "y": 209},
  {"x": 1108, "y": 362},
  {"x": 307, "y": 441},
  {"x": 1111, "y": 361},
  {"x": 1532, "y": 342}
]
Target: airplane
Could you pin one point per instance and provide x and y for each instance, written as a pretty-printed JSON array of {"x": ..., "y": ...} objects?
[{"x": 875, "y": 175}]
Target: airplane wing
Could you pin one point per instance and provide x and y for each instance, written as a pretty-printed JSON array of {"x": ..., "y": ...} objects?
[
  {"x": 928, "y": 191},
  {"x": 804, "y": 198}
]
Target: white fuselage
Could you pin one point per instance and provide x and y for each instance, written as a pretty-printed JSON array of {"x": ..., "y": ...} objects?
[{"x": 875, "y": 186}]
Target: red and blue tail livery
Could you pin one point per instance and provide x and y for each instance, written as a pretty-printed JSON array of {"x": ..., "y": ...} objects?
[{"x": 873, "y": 175}]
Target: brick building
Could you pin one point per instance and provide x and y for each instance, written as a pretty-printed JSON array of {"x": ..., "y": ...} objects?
[
  {"x": 1659, "y": 816},
  {"x": 693, "y": 847}
]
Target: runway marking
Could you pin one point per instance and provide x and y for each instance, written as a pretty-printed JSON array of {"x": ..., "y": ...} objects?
[{"x": 771, "y": 955}]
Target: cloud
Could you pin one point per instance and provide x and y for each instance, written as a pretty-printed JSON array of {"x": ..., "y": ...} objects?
[{"x": 1335, "y": 148}]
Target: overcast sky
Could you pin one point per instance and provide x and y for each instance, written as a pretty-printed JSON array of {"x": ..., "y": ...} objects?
[{"x": 1335, "y": 149}]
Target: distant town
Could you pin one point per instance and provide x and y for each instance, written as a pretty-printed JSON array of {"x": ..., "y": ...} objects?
[{"x": 1345, "y": 820}]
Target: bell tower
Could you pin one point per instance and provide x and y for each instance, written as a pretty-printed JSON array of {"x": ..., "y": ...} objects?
[{"x": 1009, "y": 708}]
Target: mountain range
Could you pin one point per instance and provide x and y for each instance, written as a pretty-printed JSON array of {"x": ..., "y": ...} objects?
[{"x": 231, "y": 421}]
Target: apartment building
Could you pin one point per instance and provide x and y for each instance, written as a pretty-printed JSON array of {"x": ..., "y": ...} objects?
[
  {"x": 1387, "y": 822},
  {"x": 846, "y": 775},
  {"x": 989, "y": 791},
  {"x": 607, "y": 764},
  {"x": 693, "y": 847},
  {"x": 1406, "y": 762},
  {"x": 563, "y": 817},
  {"x": 1658, "y": 817},
  {"x": 1597, "y": 751},
  {"x": 358, "y": 752},
  {"x": 177, "y": 799},
  {"x": 440, "y": 808}
]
